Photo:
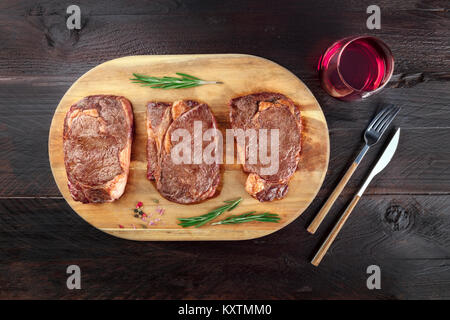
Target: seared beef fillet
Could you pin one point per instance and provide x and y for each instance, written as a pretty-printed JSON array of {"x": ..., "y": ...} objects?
[
  {"x": 182, "y": 183},
  {"x": 268, "y": 110},
  {"x": 98, "y": 132}
]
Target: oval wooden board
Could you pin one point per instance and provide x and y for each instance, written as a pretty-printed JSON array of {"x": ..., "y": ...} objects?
[{"x": 241, "y": 74}]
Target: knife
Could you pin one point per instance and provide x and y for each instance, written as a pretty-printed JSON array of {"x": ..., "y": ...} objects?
[{"x": 385, "y": 158}]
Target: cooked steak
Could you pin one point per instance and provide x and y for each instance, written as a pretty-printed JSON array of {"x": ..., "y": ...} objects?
[
  {"x": 268, "y": 110},
  {"x": 98, "y": 132},
  {"x": 188, "y": 181}
]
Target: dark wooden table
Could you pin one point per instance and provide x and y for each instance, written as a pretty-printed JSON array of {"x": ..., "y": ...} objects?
[{"x": 402, "y": 224}]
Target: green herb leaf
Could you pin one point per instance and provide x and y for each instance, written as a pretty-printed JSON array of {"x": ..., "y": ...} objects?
[
  {"x": 184, "y": 75},
  {"x": 250, "y": 216},
  {"x": 185, "y": 81},
  {"x": 199, "y": 221}
]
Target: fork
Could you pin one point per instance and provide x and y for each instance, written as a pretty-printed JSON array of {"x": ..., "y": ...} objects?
[{"x": 372, "y": 135}]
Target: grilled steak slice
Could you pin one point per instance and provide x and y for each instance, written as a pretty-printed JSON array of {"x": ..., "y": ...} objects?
[
  {"x": 268, "y": 110},
  {"x": 180, "y": 182},
  {"x": 98, "y": 132}
]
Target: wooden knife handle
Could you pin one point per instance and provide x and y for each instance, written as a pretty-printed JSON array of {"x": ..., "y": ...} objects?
[
  {"x": 329, "y": 240},
  {"x": 330, "y": 201}
]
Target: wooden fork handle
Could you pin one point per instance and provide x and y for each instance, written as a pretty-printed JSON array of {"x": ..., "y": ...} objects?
[
  {"x": 312, "y": 228},
  {"x": 329, "y": 240}
]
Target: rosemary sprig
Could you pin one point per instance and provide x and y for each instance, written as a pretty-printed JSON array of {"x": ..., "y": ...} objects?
[
  {"x": 250, "y": 216},
  {"x": 201, "y": 220},
  {"x": 184, "y": 81}
]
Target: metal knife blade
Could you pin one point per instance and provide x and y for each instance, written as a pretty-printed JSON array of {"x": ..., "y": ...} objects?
[{"x": 385, "y": 158}]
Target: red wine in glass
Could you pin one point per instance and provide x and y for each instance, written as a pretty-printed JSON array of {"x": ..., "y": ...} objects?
[{"x": 356, "y": 67}]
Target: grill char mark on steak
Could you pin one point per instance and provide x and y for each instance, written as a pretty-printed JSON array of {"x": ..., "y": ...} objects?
[
  {"x": 268, "y": 110},
  {"x": 97, "y": 138},
  {"x": 181, "y": 183}
]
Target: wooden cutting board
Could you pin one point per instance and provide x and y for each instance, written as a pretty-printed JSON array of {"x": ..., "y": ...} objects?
[{"x": 240, "y": 74}]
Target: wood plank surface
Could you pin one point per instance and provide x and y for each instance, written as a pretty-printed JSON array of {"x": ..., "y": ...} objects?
[
  {"x": 40, "y": 235},
  {"x": 425, "y": 137},
  {"x": 36, "y": 41}
]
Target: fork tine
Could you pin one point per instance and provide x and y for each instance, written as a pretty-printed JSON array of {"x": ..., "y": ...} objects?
[
  {"x": 378, "y": 116},
  {"x": 386, "y": 110},
  {"x": 388, "y": 121},
  {"x": 383, "y": 119}
]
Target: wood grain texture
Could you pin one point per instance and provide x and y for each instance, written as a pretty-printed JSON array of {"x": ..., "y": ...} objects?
[
  {"x": 36, "y": 40},
  {"x": 421, "y": 165},
  {"x": 40, "y": 235},
  {"x": 237, "y": 72}
]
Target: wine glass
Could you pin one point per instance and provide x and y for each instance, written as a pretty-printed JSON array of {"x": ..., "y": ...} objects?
[{"x": 356, "y": 67}]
